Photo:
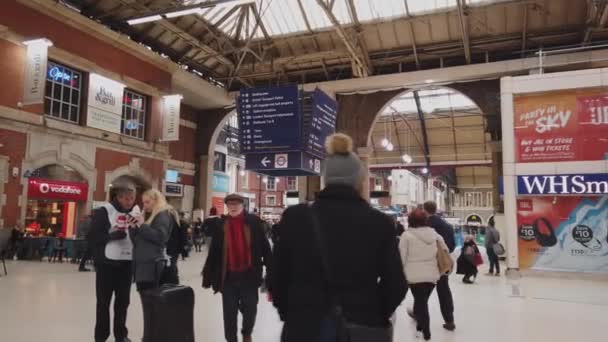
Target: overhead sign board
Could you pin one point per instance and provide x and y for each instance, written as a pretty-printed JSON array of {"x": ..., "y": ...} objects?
[
  {"x": 105, "y": 103},
  {"x": 581, "y": 184},
  {"x": 284, "y": 164},
  {"x": 323, "y": 122},
  {"x": 269, "y": 119}
]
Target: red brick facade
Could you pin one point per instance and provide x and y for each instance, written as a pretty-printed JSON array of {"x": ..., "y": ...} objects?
[{"x": 12, "y": 146}]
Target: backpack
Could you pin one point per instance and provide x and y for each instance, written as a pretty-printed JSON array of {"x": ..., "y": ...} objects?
[{"x": 177, "y": 241}]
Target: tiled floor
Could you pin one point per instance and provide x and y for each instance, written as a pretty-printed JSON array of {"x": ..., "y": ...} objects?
[{"x": 54, "y": 302}]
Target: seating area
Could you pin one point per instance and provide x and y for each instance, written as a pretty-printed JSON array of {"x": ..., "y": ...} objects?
[{"x": 51, "y": 248}]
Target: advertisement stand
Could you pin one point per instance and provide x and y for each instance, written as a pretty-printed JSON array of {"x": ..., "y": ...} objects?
[{"x": 555, "y": 167}]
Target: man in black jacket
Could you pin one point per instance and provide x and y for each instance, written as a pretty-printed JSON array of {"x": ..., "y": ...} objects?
[
  {"x": 443, "y": 286},
  {"x": 239, "y": 250},
  {"x": 357, "y": 242},
  {"x": 112, "y": 252}
]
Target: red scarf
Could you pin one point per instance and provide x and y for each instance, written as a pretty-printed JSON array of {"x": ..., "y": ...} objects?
[{"x": 239, "y": 251}]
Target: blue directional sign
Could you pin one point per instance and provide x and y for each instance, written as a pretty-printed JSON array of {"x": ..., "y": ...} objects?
[
  {"x": 322, "y": 123},
  {"x": 269, "y": 119},
  {"x": 284, "y": 164}
]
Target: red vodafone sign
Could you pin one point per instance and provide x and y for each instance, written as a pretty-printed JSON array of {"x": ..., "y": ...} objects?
[{"x": 60, "y": 190}]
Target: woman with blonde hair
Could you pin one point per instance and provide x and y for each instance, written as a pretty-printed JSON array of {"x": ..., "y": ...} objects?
[{"x": 150, "y": 235}]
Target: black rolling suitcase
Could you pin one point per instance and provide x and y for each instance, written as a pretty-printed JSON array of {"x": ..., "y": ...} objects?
[{"x": 168, "y": 314}]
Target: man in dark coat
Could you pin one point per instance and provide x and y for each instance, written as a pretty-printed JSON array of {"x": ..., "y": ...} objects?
[
  {"x": 444, "y": 293},
  {"x": 239, "y": 250},
  {"x": 366, "y": 274},
  {"x": 112, "y": 250}
]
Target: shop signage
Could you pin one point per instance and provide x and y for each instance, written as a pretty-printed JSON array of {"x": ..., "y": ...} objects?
[
  {"x": 60, "y": 190},
  {"x": 174, "y": 190},
  {"x": 221, "y": 182},
  {"x": 561, "y": 126},
  {"x": 35, "y": 71},
  {"x": 171, "y": 118},
  {"x": 105, "y": 103},
  {"x": 269, "y": 119},
  {"x": 581, "y": 184},
  {"x": 563, "y": 234}
]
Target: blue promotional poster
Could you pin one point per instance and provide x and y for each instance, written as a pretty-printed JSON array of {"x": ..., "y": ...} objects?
[{"x": 563, "y": 233}]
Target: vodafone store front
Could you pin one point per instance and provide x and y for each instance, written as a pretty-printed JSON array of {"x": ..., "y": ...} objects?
[{"x": 54, "y": 206}]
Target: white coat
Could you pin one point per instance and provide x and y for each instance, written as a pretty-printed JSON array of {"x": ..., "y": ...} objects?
[{"x": 418, "y": 249}]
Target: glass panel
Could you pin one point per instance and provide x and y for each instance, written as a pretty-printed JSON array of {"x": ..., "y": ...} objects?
[{"x": 56, "y": 109}]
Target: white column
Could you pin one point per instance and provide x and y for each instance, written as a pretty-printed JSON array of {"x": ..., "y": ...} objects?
[{"x": 509, "y": 177}]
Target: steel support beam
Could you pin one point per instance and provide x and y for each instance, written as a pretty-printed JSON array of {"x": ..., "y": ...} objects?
[
  {"x": 425, "y": 138},
  {"x": 360, "y": 68},
  {"x": 464, "y": 29}
]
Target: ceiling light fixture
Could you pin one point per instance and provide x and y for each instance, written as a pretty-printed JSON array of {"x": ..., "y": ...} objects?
[
  {"x": 242, "y": 173},
  {"x": 183, "y": 12},
  {"x": 406, "y": 158},
  {"x": 384, "y": 142},
  {"x": 144, "y": 20},
  {"x": 424, "y": 170},
  {"x": 390, "y": 147}
]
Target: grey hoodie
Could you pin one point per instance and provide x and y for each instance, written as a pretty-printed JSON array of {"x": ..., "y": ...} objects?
[{"x": 419, "y": 254}]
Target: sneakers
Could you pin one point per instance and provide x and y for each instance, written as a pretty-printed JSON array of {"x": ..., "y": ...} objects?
[{"x": 450, "y": 326}]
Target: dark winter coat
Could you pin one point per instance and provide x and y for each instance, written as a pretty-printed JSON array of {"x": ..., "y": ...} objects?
[
  {"x": 466, "y": 263},
  {"x": 215, "y": 269},
  {"x": 444, "y": 229},
  {"x": 365, "y": 266}
]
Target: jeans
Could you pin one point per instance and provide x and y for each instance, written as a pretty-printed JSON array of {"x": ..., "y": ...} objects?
[
  {"x": 446, "y": 302},
  {"x": 422, "y": 292},
  {"x": 112, "y": 280},
  {"x": 493, "y": 258},
  {"x": 239, "y": 295}
]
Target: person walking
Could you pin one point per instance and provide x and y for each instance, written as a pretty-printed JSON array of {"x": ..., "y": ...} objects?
[
  {"x": 339, "y": 252},
  {"x": 419, "y": 254},
  {"x": 150, "y": 235},
  {"x": 492, "y": 240},
  {"x": 234, "y": 267},
  {"x": 84, "y": 227},
  {"x": 469, "y": 259},
  {"x": 112, "y": 252},
  {"x": 444, "y": 293},
  {"x": 198, "y": 237}
]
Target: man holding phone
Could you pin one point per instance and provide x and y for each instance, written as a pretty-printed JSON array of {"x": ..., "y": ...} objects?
[{"x": 112, "y": 252}]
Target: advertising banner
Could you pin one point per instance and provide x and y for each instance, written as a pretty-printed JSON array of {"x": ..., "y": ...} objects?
[
  {"x": 35, "y": 72},
  {"x": 105, "y": 104},
  {"x": 563, "y": 233},
  {"x": 39, "y": 188},
  {"x": 171, "y": 118},
  {"x": 221, "y": 182},
  {"x": 561, "y": 126},
  {"x": 578, "y": 184}
]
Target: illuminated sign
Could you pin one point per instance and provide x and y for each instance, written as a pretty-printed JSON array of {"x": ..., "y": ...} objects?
[
  {"x": 583, "y": 184},
  {"x": 57, "y": 75}
]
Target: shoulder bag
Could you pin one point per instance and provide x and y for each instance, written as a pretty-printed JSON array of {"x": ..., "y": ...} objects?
[
  {"x": 444, "y": 260},
  {"x": 346, "y": 331}
]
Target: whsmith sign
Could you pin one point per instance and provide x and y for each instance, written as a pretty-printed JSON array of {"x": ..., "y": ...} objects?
[{"x": 580, "y": 184}]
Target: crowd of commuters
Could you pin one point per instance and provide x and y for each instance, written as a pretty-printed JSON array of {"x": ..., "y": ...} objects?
[{"x": 335, "y": 269}]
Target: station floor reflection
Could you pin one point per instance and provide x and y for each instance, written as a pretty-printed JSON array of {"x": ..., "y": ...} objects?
[{"x": 53, "y": 302}]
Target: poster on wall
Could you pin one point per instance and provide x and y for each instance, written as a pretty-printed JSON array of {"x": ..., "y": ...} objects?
[
  {"x": 563, "y": 233},
  {"x": 567, "y": 125},
  {"x": 171, "y": 117},
  {"x": 105, "y": 104}
]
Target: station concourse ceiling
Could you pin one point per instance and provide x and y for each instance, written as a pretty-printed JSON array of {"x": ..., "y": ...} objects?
[{"x": 236, "y": 43}]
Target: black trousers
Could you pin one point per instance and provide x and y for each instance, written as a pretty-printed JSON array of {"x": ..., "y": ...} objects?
[
  {"x": 446, "y": 301},
  {"x": 112, "y": 280},
  {"x": 86, "y": 256},
  {"x": 422, "y": 292},
  {"x": 493, "y": 258},
  {"x": 238, "y": 295}
]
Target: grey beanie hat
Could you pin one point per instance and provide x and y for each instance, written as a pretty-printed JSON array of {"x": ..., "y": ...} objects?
[{"x": 342, "y": 166}]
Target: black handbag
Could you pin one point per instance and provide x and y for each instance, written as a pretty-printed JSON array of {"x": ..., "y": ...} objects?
[{"x": 345, "y": 331}]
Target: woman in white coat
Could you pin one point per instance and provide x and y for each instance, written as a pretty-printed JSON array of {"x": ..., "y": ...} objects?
[{"x": 419, "y": 255}]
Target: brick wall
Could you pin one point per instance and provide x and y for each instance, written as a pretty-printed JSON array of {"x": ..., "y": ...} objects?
[{"x": 12, "y": 145}]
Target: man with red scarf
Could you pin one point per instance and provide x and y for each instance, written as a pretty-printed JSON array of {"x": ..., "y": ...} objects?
[{"x": 239, "y": 250}]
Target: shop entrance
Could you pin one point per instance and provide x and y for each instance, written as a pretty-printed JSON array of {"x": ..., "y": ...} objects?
[{"x": 56, "y": 197}]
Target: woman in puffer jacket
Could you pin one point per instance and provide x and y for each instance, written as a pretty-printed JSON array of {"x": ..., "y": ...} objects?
[{"x": 418, "y": 249}]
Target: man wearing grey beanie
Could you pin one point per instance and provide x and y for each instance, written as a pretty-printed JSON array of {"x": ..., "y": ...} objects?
[{"x": 365, "y": 277}]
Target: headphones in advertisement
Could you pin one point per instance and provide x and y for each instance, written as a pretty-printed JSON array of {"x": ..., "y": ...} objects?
[{"x": 545, "y": 240}]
